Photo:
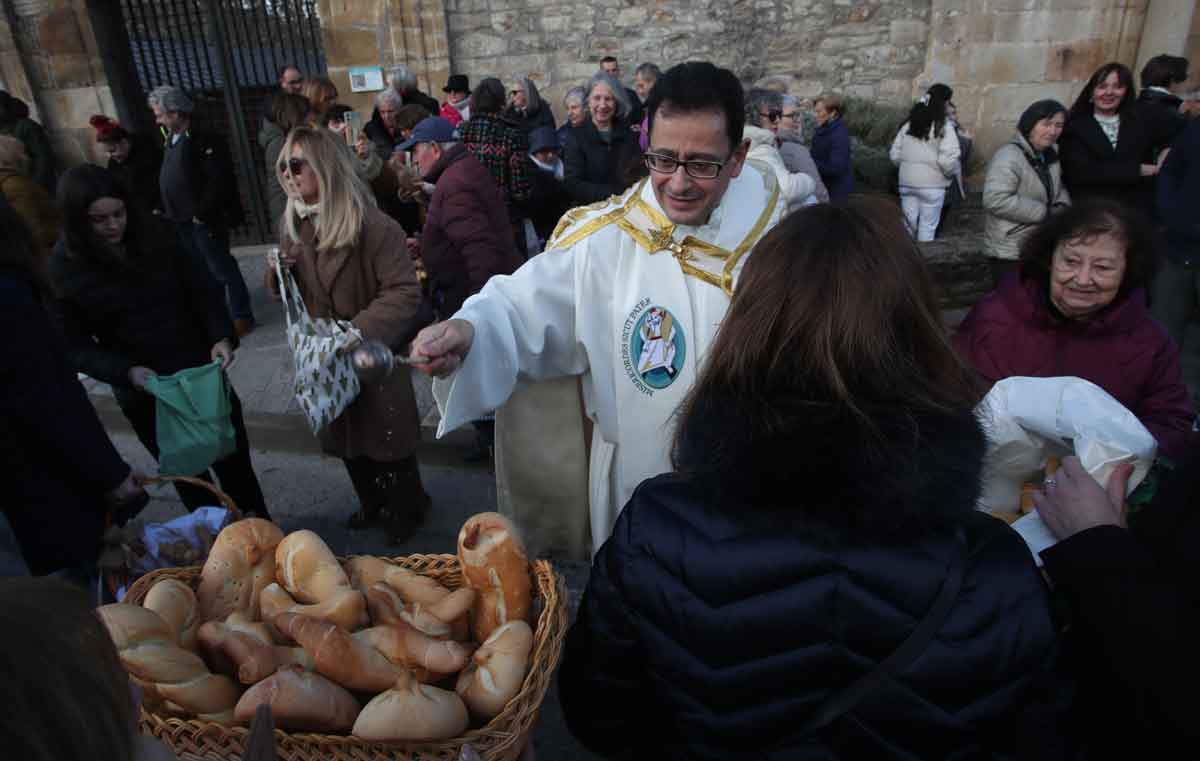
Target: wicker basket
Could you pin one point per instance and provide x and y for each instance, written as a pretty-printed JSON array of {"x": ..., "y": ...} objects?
[{"x": 501, "y": 739}]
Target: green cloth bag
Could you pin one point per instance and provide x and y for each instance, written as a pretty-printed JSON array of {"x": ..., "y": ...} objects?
[{"x": 192, "y": 419}]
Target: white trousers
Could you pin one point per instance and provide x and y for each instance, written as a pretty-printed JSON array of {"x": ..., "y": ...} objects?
[{"x": 922, "y": 208}]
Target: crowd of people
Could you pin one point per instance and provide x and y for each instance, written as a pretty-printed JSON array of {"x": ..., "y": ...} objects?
[{"x": 728, "y": 378}]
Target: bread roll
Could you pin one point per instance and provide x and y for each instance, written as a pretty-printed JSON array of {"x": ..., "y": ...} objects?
[
  {"x": 497, "y": 670},
  {"x": 430, "y": 659},
  {"x": 176, "y": 603},
  {"x": 240, "y": 622},
  {"x": 1027, "y": 492},
  {"x": 166, "y": 671},
  {"x": 412, "y": 711},
  {"x": 306, "y": 568},
  {"x": 347, "y": 608},
  {"x": 495, "y": 565},
  {"x": 366, "y": 571},
  {"x": 339, "y": 656},
  {"x": 240, "y": 565},
  {"x": 442, "y": 619},
  {"x": 250, "y": 659},
  {"x": 301, "y": 701}
]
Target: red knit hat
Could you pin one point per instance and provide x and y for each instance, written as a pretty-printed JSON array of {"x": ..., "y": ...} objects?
[{"x": 107, "y": 130}]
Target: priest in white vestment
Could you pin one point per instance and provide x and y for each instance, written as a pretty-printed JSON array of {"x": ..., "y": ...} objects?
[{"x": 627, "y": 297}]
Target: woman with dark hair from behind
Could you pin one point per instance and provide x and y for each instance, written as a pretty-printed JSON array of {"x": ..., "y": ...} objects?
[
  {"x": 1024, "y": 185},
  {"x": 1103, "y": 147},
  {"x": 132, "y": 306},
  {"x": 498, "y": 145},
  {"x": 927, "y": 153},
  {"x": 65, "y": 694},
  {"x": 62, "y": 474},
  {"x": 827, "y": 463},
  {"x": 1077, "y": 307}
]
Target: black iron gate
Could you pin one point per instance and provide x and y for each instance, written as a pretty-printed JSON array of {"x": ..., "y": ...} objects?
[{"x": 227, "y": 54}]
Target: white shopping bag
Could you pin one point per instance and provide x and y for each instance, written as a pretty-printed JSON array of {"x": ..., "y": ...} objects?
[
  {"x": 325, "y": 383},
  {"x": 181, "y": 541},
  {"x": 1029, "y": 419}
]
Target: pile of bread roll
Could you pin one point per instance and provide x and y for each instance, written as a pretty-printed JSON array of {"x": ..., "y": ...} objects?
[{"x": 369, "y": 648}]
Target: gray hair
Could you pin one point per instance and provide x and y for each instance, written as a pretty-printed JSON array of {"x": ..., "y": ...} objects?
[
  {"x": 401, "y": 78},
  {"x": 647, "y": 71},
  {"x": 170, "y": 98},
  {"x": 389, "y": 96},
  {"x": 757, "y": 99},
  {"x": 576, "y": 93},
  {"x": 618, "y": 91}
]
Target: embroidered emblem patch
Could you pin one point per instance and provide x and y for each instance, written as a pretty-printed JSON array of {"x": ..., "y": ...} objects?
[{"x": 653, "y": 347}]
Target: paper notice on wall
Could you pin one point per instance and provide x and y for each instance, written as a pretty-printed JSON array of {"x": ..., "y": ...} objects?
[{"x": 366, "y": 79}]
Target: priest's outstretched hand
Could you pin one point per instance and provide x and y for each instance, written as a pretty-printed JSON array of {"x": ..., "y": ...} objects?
[{"x": 439, "y": 349}]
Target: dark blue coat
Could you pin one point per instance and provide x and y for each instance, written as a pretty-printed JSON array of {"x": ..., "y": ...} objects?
[
  {"x": 1178, "y": 197},
  {"x": 712, "y": 626},
  {"x": 831, "y": 153},
  {"x": 56, "y": 458}
]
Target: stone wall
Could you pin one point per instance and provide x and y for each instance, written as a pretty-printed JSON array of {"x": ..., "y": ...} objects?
[
  {"x": 383, "y": 33},
  {"x": 49, "y": 58},
  {"x": 873, "y": 49},
  {"x": 1002, "y": 55}
]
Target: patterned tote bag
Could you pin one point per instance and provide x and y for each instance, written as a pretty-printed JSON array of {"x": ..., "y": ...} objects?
[{"x": 325, "y": 382}]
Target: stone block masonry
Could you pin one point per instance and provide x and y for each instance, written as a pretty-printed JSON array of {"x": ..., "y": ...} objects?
[{"x": 805, "y": 45}]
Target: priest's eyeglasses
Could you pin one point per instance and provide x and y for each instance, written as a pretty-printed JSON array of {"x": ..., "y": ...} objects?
[{"x": 700, "y": 170}]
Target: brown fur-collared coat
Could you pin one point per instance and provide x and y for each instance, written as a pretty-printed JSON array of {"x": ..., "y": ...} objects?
[{"x": 372, "y": 284}]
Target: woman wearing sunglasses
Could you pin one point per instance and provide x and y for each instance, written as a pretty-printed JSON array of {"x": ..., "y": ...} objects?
[
  {"x": 348, "y": 260},
  {"x": 764, "y": 109}
]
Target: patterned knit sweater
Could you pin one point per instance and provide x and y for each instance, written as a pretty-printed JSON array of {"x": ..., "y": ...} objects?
[{"x": 504, "y": 150}]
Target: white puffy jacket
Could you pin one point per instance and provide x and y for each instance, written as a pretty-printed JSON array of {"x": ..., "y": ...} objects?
[
  {"x": 929, "y": 163},
  {"x": 795, "y": 187}
]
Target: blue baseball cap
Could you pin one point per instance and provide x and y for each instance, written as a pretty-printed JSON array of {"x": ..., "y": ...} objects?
[{"x": 431, "y": 129}]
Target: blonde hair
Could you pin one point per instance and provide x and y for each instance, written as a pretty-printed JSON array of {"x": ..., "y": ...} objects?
[
  {"x": 316, "y": 89},
  {"x": 343, "y": 197},
  {"x": 13, "y": 156}
]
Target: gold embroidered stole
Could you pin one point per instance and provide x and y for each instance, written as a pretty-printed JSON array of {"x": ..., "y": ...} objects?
[{"x": 653, "y": 231}]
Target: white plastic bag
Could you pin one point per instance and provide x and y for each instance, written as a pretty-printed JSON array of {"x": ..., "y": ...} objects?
[
  {"x": 197, "y": 530},
  {"x": 1030, "y": 419}
]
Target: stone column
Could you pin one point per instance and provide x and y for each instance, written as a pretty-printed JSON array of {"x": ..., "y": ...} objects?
[
  {"x": 1166, "y": 29},
  {"x": 64, "y": 83}
]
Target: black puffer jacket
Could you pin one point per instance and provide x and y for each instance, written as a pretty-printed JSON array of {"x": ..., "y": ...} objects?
[
  {"x": 713, "y": 626},
  {"x": 594, "y": 169},
  {"x": 161, "y": 309}
]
